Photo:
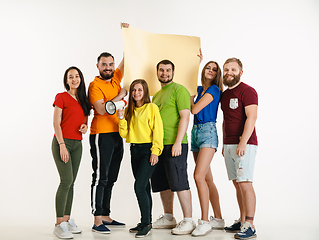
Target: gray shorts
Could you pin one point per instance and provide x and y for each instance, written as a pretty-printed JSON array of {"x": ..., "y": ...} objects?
[
  {"x": 241, "y": 168},
  {"x": 171, "y": 172}
]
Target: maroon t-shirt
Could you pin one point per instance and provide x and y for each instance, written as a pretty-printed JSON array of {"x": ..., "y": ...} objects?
[{"x": 233, "y": 103}]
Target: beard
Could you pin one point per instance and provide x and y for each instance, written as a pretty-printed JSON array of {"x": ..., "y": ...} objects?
[
  {"x": 165, "y": 82},
  {"x": 231, "y": 83},
  {"x": 168, "y": 81},
  {"x": 106, "y": 75}
]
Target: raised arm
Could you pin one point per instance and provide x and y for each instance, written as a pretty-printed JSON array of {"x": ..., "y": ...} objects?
[{"x": 121, "y": 65}]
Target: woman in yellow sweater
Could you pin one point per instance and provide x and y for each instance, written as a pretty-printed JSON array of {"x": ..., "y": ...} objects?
[{"x": 142, "y": 126}]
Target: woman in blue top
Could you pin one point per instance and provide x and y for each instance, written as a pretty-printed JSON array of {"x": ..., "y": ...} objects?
[{"x": 204, "y": 144}]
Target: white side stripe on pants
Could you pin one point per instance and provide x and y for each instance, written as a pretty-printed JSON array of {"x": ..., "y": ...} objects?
[{"x": 98, "y": 164}]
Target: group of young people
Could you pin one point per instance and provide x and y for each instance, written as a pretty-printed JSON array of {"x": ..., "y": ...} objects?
[{"x": 158, "y": 141}]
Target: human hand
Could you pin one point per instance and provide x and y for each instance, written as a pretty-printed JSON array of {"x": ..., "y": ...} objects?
[
  {"x": 193, "y": 98},
  {"x": 120, "y": 113},
  {"x": 200, "y": 55},
  {"x": 153, "y": 159},
  {"x": 83, "y": 128},
  {"x": 124, "y": 25},
  {"x": 64, "y": 153},
  {"x": 176, "y": 149},
  {"x": 241, "y": 149}
]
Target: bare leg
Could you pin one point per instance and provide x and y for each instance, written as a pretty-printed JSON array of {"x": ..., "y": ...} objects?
[
  {"x": 213, "y": 195},
  {"x": 249, "y": 197},
  {"x": 240, "y": 200},
  {"x": 167, "y": 198},
  {"x": 185, "y": 199},
  {"x": 205, "y": 184}
]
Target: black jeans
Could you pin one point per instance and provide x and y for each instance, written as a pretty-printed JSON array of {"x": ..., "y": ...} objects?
[
  {"x": 107, "y": 153},
  {"x": 142, "y": 171}
]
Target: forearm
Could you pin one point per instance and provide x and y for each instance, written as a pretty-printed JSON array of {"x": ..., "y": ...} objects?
[
  {"x": 251, "y": 113},
  {"x": 248, "y": 129},
  {"x": 202, "y": 103},
  {"x": 57, "y": 116},
  {"x": 122, "y": 94},
  {"x": 157, "y": 143},
  {"x": 58, "y": 133},
  {"x": 182, "y": 128},
  {"x": 123, "y": 128},
  {"x": 121, "y": 66}
]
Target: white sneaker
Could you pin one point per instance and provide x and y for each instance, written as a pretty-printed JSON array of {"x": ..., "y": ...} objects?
[
  {"x": 73, "y": 227},
  {"x": 202, "y": 229},
  {"x": 217, "y": 223},
  {"x": 184, "y": 227},
  {"x": 162, "y": 223},
  {"x": 62, "y": 231}
]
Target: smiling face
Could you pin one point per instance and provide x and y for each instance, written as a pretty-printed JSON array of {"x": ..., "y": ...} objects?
[
  {"x": 106, "y": 67},
  {"x": 231, "y": 74},
  {"x": 73, "y": 79},
  {"x": 165, "y": 73},
  {"x": 138, "y": 94}
]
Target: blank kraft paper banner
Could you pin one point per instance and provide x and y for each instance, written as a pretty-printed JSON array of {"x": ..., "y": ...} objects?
[{"x": 143, "y": 50}]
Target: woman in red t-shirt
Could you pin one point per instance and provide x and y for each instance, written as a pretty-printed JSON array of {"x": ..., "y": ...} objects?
[{"x": 71, "y": 110}]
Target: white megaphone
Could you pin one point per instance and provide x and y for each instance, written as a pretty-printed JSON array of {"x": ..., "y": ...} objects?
[{"x": 111, "y": 107}]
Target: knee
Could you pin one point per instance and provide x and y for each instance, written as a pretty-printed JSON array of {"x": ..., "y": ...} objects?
[
  {"x": 245, "y": 186},
  {"x": 138, "y": 188},
  {"x": 199, "y": 178},
  {"x": 67, "y": 183},
  {"x": 103, "y": 182}
]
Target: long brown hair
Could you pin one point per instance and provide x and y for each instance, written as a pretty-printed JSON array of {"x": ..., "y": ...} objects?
[
  {"x": 81, "y": 92},
  {"x": 132, "y": 103},
  {"x": 218, "y": 81}
]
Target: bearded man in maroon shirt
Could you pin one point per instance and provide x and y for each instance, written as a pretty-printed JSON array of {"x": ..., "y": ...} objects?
[{"x": 239, "y": 103}]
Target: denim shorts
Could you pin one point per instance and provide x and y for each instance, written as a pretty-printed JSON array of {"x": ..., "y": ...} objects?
[
  {"x": 204, "y": 135},
  {"x": 241, "y": 168}
]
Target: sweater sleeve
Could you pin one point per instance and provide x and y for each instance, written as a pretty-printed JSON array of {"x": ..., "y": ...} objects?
[
  {"x": 158, "y": 133},
  {"x": 123, "y": 128}
]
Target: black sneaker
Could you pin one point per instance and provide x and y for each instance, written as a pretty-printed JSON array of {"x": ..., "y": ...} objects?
[
  {"x": 144, "y": 231},
  {"x": 136, "y": 229},
  {"x": 234, "y": 228},
  {"x": 113, "y": 224}
]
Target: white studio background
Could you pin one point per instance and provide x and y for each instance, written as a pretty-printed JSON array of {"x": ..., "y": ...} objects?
[{"x": 276, "y": 40}]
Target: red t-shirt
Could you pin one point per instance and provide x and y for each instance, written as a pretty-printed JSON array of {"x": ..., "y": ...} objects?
[
  {"x": 72, "y": 115},
  {"x": 233, "y": 103}
]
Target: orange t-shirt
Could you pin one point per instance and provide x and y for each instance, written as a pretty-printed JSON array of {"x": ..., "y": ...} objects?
[{"x": 100, "y": 89}]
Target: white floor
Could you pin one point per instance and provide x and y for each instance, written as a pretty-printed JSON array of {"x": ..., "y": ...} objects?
[{"x": 25, "y": 232}]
